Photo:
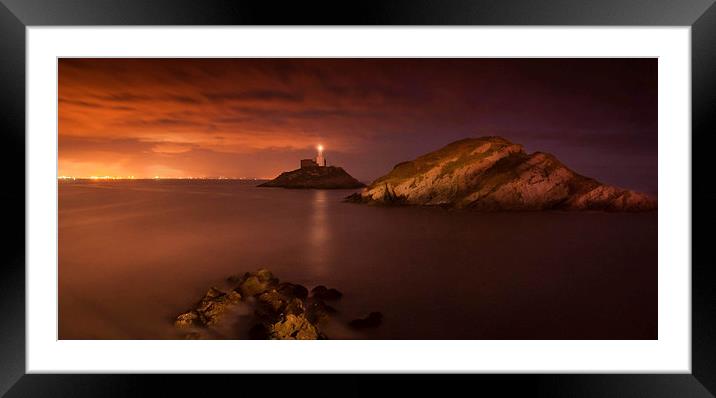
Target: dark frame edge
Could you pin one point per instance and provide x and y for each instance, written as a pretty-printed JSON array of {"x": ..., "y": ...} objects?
[
  {"x": 703, "y": 100},
  {"x": 366, "y": 12},
  {"x": 12, "y": 285},
  {"x": 12, "y": 120}
]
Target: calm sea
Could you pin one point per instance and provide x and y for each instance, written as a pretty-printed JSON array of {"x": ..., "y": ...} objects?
[{"x": 134, "y": 254}]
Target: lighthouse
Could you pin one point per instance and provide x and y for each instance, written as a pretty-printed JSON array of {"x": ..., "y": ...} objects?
[{"x": 320, "y": 159}]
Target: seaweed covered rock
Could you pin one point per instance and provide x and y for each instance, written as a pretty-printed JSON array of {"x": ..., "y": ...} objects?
[
  {"x": 270, "y": 306},
  {"x": 319, "y": 312},
  {"x": 280, "y": 310},
  {"x": 321, "y": 292},
  {"x": 293, "y": 290},
  {"x": 187, "y": 320},
  {"x": 210, "y": 310},
  {"x": 293, "y": 327},
  {"x": 287, "y": 299},
  {"x": 294, "y": 307},
  {"x": 255, "y": 283},
  {"x": 374, "y": 319}
]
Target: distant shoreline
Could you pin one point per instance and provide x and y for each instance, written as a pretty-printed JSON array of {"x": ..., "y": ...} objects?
[{"x": 71, "y": 179}]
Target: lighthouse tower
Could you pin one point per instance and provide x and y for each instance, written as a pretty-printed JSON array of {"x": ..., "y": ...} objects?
[{"x": 320, "y": 159}]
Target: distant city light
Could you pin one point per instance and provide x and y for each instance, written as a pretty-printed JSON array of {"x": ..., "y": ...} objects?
[
  {"x": 96, "y": 178},
  {"x": 157, "y": 178}
]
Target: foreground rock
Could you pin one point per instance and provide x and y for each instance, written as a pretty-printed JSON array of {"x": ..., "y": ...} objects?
[
  {"x": 281, "y": 311},
  {"x": 493, "y": 174},
  {"x": 319, "y": 312},
  {"x": 293, "y": 327},
  {"x": 321, "y": 292},
  {"x": 374, "y": 319},
  {"x": 329, "y": 177},
  {"x": 210, "y": 310},
  {"x": 254, "y": 283}
]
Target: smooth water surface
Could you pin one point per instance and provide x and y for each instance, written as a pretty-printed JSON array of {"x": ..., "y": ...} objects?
[{"x": 134, "y": 254}]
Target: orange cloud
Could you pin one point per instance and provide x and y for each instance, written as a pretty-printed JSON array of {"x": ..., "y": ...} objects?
[{"x": 256, "y": 117}]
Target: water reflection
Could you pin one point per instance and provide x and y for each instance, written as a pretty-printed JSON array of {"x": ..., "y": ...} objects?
[
  {"x": 440, "y": 274},
  {"x": 319, "y": 234}
]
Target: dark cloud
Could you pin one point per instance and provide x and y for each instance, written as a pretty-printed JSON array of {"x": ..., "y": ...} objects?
[
  {"x": 134, "y": 98},
  {"x": 123, "y": 97},
  {"x": 162, "y": 122},
  {"x": 84, "y": 104},
  {"x": 256, "y": 95}
]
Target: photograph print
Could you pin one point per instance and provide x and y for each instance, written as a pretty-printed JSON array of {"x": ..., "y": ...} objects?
[{"x": 357, "y": 198}]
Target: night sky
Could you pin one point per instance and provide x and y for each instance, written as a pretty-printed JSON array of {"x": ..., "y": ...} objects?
[{"x": 259, "y": 117}]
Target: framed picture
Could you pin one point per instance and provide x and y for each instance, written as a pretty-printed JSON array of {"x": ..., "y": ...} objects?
[{"x": 501, "y": 190}]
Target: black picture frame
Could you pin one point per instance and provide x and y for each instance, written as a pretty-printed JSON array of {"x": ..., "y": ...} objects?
[{"x": 16, "y": 15}]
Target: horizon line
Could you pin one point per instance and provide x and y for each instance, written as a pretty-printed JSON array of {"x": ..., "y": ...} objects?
[{"x": 157, "y": 178}]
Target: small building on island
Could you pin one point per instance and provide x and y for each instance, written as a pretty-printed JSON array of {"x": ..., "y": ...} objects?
[
  {"x": 315, "y": 174},
  {"x": 318, "y": 161},
  {"x": 306, "y": 163}
]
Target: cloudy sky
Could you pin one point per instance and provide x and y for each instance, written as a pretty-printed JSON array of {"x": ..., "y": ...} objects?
[{"x": 259, "y": 117}]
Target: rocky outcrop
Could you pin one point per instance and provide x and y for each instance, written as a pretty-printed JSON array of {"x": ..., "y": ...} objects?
[
  {"x": 318, "y": 312},
  {"x": 293, "y": 327},
  {"x": 374, "y": 319},
  {"x": 255, "y": 283},
  {"x": 323, "y": 293},
  {"x": 280, "y": 310},
  {"x": 493, "y": 174},
  {"x": 329, "y": 177},
  {"x": 210, "y": 310}
]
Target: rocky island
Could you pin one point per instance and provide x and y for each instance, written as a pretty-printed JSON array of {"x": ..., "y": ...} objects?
[
  {"x": 494, "y": 174},
  {"x": 327, "y": 177},
  {"x": 315, "y": 174}
]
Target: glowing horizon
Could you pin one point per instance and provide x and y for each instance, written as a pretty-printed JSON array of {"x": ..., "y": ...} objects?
[
  {"x": 256, "y": 118},
  {"x": 106, "y": 177}
]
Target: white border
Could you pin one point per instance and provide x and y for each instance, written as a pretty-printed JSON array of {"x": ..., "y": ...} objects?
[{"x": 670, "y": 353}]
